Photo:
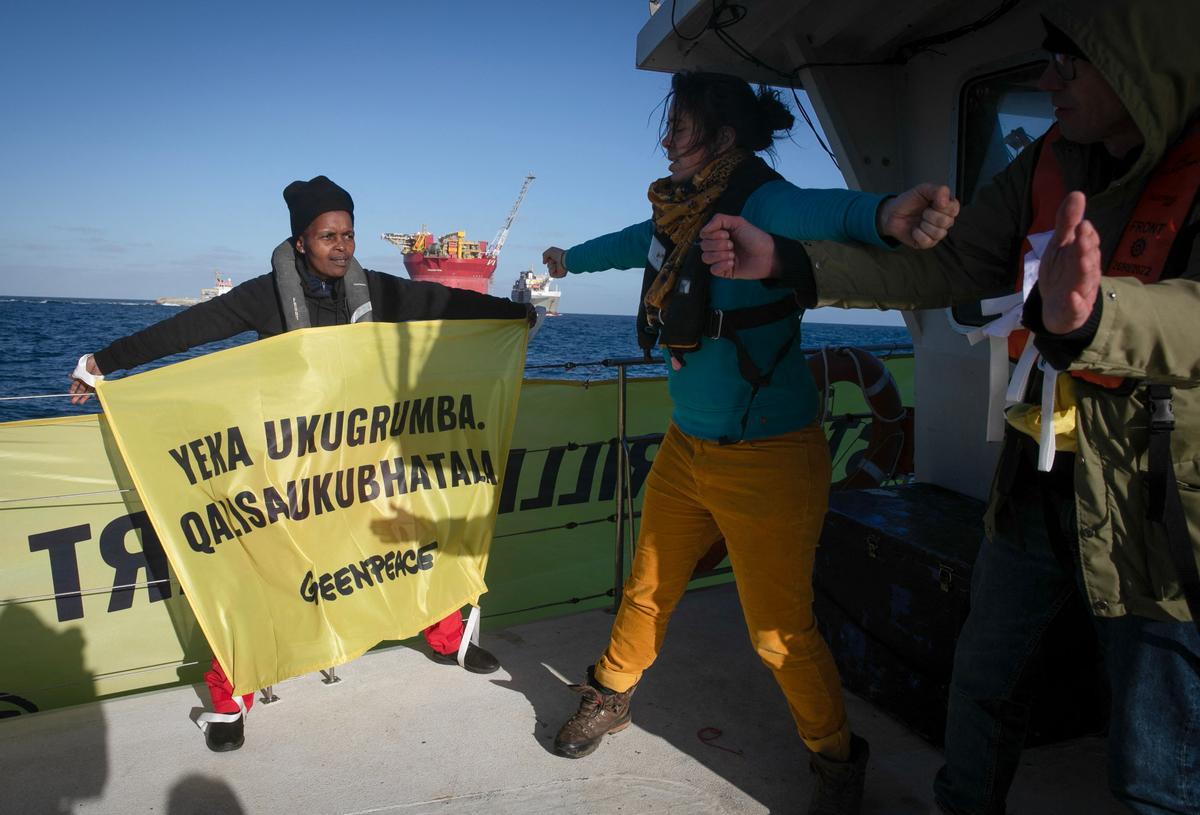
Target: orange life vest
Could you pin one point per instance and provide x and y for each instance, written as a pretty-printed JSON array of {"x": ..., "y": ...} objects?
[{"x": 1146, "y": 242}]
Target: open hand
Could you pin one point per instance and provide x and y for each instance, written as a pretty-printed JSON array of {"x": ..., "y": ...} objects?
[
  {"x": 554, "y": 258},
  {"x": 733, "y": 247},
  {"x": 1069, "y": 276},
  {"x": 919, "y": 217}
]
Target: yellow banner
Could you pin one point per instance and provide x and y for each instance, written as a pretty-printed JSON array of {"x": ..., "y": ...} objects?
[
  {"x": 89, "y": 604},
  {"x": 304, "y": 537}
]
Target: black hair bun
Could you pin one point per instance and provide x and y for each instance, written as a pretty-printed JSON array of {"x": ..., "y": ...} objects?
[{"x": 775, "y": 114}]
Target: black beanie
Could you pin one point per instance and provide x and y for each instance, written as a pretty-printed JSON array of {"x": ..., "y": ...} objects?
[
  {"x": 308, "y": 199},
  {"x": 1057, "y": 42}
]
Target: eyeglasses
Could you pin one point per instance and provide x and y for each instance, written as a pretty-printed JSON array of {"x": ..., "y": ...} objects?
[{"x": 1064, "y": 66}]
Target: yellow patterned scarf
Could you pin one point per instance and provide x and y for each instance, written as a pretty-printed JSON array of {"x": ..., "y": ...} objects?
[{"x": 680, "y": 211}]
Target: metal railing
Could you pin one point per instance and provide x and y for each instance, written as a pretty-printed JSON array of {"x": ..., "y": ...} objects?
[
  {"x": 624, "y": 488},
  {"x": 624, "y": 515}
]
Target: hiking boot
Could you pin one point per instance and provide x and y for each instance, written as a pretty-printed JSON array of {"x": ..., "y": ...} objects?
[
  {"x": 839, "y": 788},
  {"x": 221, "y": 737},
  {"x": 601, "y": 712}
]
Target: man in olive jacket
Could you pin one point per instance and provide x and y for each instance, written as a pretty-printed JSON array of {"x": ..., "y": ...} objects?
[{"x": 1124, "y": 78}]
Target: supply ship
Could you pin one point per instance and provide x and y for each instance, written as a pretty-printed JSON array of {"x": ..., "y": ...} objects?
[
  {"x": 537, "y": 289},
  {"x": 452, "y": 259},
  {"x": 222, "y": 286}
]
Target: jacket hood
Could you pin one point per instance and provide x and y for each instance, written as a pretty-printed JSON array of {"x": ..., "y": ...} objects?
[{"x": 1148, "y": 53}]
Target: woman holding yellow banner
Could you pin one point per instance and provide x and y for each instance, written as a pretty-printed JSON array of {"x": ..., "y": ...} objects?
[
  {"x": 744, "y": 458},
  {"x": 315, "y": 281}
]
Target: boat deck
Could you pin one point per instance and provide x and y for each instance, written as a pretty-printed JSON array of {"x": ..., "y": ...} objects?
[{"x": 402, "y": 734}]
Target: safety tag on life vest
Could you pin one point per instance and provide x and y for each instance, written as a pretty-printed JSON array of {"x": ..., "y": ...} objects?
[{"x": 658, "y": 253}]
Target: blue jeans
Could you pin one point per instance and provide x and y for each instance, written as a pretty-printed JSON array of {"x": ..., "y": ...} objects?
[{"x": 1018, "y": 587}]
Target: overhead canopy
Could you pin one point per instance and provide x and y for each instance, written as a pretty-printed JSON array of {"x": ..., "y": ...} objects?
[{"x": 766, "y": 41}]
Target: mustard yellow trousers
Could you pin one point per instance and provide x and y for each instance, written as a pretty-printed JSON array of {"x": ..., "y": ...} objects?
[{"x": 767, "y": 498}]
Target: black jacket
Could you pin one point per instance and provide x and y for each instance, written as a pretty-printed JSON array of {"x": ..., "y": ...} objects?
[{"x": 254, "y": 306}]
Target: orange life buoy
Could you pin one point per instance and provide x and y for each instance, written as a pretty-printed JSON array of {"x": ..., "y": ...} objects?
[{"x": 890, "y": 423}]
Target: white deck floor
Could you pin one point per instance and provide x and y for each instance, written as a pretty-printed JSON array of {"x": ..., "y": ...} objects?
[{"x": 402, "y": 734}]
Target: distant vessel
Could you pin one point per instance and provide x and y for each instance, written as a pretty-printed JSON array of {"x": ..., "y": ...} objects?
[
  {"x": 452, "y": 260},
  {"x": 538, "y": 289},
  {"x": 222, "y": 286}
]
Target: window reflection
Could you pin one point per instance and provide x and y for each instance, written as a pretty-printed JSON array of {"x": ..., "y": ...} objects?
[{"x": 1000, "y": 114}]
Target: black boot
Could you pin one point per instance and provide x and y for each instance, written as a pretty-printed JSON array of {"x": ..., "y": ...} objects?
[
  {"x": 839, "y": 788},
  {"x": 601, "y": 712},
  {"x": 476, "y": 660},
  {"x": 221, "y": 737}
]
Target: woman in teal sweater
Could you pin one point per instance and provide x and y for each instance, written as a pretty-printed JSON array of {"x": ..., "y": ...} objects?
[{"x": 743, "y": 458}]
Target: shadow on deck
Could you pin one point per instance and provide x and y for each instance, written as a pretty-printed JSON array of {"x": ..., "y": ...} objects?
[{"x": 402, "y": 734}]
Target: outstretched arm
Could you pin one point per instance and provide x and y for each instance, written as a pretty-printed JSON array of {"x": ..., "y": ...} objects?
[
  {"x": 252, "y": 306},
  {"x": 919, "y": 217},
  {"x": 733, "y": 247},
  {"x": 623, "y": 249}
]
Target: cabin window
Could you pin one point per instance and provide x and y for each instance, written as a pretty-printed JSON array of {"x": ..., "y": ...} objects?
[{"x": 1000, "y": 114}]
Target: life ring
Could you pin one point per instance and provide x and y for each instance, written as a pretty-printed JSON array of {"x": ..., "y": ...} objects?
[{"x": 891, "y": 422}]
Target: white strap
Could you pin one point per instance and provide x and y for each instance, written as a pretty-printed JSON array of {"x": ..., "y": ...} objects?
[
  {"x": 541, "y": 318},
  {"x": 1020, "y": 374},
  {"x": 361, "y": 313},
  {"x": 872, "y": 470},
  {"x": 82, "y": 373},
  {"x": 882, "y": 382},
  {"x": 1009, "y": 308},
  {"x": 470, "y": 634},
  {"x": 204, "y": 718},
  {"x": 1039, "y": 241},
  {"x": 1002, "y": 305},
  {"x": 1003, "y": 390},
  {"x": 557, "y": 674},
  {"x": 1046, "y": 443},
  {"x": 997, "y": 387}
]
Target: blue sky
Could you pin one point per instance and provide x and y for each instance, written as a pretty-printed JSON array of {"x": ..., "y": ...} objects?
[{"x": 147, "y": 144}]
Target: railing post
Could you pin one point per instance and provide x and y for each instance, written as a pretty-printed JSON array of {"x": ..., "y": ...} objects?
[
  {"x": 624, "y": 474},
  {"x": 622, "y": 456}
]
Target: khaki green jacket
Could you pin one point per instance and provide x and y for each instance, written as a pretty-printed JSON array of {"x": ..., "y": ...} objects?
[{"x": 1147, "y": 332}]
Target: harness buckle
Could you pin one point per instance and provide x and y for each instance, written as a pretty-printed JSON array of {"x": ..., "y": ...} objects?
[
  {"x": 719, "y": 316},
  {"x": 1162, "y": 414}
]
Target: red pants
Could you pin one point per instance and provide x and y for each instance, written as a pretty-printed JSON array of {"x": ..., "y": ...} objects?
[{"x": 444, "y": 637}]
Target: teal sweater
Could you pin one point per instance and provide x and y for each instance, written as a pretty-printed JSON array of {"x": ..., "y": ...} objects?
[{"x": 709, "y": 394}]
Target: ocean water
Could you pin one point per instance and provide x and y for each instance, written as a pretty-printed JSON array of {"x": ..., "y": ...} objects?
[{"x": 41, "y": 339}]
